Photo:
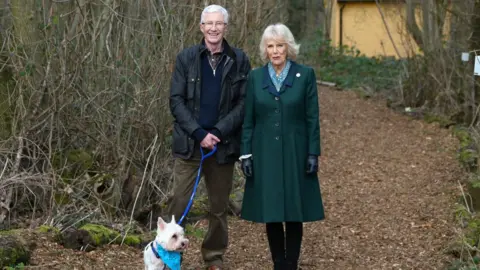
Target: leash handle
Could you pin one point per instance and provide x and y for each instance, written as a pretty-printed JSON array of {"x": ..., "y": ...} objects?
[
  {"x": 209, "y": 153},
  {"x": 197, "y": 180}
]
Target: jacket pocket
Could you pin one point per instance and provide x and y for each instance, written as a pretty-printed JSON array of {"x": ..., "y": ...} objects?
[
  {"x": 180, "y": 140},
  {"x": 239, "y": 78},
  {"x": 191, "y": 88},
  {"x": 233, "y": 144},
  {"x": 237, "y": 83}
]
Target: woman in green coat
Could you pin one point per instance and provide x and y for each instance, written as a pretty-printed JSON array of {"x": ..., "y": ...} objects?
[{"x": 280, "y": 147}]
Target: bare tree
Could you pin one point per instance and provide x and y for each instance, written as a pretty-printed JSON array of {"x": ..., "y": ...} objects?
[
  {"x": 433, "y": 13},
  {"x": 85, "y": 87}
]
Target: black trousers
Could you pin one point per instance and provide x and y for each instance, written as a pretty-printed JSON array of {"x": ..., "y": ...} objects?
[{"x": 285, "y": 243}]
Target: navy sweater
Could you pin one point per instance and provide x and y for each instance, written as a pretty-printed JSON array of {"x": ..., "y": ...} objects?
[{"x": 211, "y": 89}]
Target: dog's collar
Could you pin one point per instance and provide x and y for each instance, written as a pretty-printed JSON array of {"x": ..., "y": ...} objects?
[
  {"x": 169, "y": 258},
  {"x": 155, "y": 250}
]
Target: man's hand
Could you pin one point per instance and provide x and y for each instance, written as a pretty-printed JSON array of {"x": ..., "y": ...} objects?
[{"x": 209, "y": 141}]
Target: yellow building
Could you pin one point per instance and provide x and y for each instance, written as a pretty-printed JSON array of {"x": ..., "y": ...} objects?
[{"x": 360, "y": 24}]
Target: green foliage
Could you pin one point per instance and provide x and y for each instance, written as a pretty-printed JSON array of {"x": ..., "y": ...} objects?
[
  {"x": 19, "y": 266},
  {"x": 462, "y": 265},
  {"x": 73, "y": 163},
  {"x": 465, "y": 250},
  {"x": 348, "y": 67},
  {"x": 48, "y": 229},
  {"x": 132, "y": 240},
  {"x": 13, "y": 252},
  {"x": 440, "y": 119},
  {"x": 102, "y": 235},
  {"x": 191, "y": 230},
  {"x": 467, "y": 153},
  {"x": 199, "y": 206}
]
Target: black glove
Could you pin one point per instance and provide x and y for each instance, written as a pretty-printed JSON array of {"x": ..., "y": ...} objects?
[
  {"x": 312, "y": 164},
  {"x": 247, "y": 167}
]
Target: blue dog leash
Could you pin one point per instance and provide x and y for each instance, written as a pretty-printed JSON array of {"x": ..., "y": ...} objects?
[{"x": 196, "y": 181}]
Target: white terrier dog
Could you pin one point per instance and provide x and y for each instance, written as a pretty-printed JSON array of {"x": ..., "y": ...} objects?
[{"x": 164, "y": 251}]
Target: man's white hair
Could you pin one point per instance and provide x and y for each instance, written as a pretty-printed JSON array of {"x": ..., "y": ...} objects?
[
  {"x": 215, "y": 8},
  {"x": 278, "y": 32}
]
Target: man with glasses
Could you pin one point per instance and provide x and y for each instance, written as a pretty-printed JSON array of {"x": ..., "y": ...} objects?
[{"x": 207, "y": 102}]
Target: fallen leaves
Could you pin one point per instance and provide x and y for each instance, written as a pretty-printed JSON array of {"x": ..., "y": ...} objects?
[{"x": 387, "y": 182}]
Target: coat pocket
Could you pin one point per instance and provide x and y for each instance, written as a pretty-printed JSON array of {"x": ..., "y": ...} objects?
[
  {"x": 233, "y": 144},
  {"x": 239, "y": 78},
  {"x": 191, "y": 88},
  {"x": 180, "y": 140},
  {"x": 237, "y": 83}
]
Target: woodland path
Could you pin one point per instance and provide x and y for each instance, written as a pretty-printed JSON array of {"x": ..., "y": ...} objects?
[{"x": 388, "y": 182}]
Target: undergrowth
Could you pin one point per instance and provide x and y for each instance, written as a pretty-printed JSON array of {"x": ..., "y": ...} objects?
[
  {"x": 465, "y": 248},
  {"x": 348, "y": 68}
]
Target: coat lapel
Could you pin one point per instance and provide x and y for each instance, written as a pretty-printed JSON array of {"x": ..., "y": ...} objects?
[
  {"x": 288, "y": 83},
  {"x": 267, "y": 82}
]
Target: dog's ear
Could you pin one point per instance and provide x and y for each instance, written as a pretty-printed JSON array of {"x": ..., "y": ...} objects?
[
  {"x": 161, "y": 224},
  {"x": 173, "y": 219}
]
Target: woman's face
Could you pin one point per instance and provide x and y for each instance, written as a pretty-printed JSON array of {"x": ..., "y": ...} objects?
[{"x": 277, "y": 52}]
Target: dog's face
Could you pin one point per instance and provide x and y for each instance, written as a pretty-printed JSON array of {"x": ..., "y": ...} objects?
[{"x": 171, "y": 235}]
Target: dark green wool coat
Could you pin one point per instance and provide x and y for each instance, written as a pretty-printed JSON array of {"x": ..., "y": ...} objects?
[{"x": 280, "y": 130}]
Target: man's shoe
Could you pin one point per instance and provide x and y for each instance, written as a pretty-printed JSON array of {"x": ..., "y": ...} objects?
[{"x": 214, "y": 267}]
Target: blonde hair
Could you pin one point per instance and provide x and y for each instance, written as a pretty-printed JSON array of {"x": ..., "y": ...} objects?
[{"x": 278, "y": 31}]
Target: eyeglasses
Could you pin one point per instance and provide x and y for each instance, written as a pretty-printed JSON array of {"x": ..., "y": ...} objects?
[{"x": 216, "y": 24}]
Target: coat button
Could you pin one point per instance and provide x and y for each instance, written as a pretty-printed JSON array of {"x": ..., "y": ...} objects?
[
  {"x": 276, "y": 110},
  {"x": 276, "y": 98},
  {"x": 277, "y": 138},
  {"x": 277, "y": 124}
]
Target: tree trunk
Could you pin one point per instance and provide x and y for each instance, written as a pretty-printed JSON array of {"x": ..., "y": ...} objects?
[
  {"x": 315, "y": 18},
  {"x": 412, "y": 26},
  {"x": 460, "y": 26},
  {"x": 433, "y": 18},
  {"x": 474, "y": 46}
]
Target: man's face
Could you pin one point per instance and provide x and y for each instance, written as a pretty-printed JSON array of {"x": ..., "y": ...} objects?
[{"x": 213, "y": 28}]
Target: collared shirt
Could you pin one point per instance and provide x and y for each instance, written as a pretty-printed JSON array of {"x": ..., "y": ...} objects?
[
  {"x": 215, "y": 58},
  {"x": 278, "y": 80}
]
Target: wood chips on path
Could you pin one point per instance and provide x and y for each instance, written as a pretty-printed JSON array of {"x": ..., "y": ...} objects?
[{"x": 388, "y": 183}]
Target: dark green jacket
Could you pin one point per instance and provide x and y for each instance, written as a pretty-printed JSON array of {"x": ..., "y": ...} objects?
[
  {"x": 280, "y": 130},
  {"x": 185, "y": 91}
]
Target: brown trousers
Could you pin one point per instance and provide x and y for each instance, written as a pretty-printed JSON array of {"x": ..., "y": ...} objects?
[{"x": 218, "y": 182}]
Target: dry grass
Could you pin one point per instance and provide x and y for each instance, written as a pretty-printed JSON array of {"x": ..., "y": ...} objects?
[{"x": 84, "y": 101}]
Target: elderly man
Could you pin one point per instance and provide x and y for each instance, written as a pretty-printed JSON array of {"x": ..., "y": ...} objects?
[{"x": 207, "y": 102}]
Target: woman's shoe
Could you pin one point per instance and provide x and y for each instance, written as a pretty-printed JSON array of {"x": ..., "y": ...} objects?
[
  {"x": 291, "y": 265},
  {"x": 279, "y": 265}
]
